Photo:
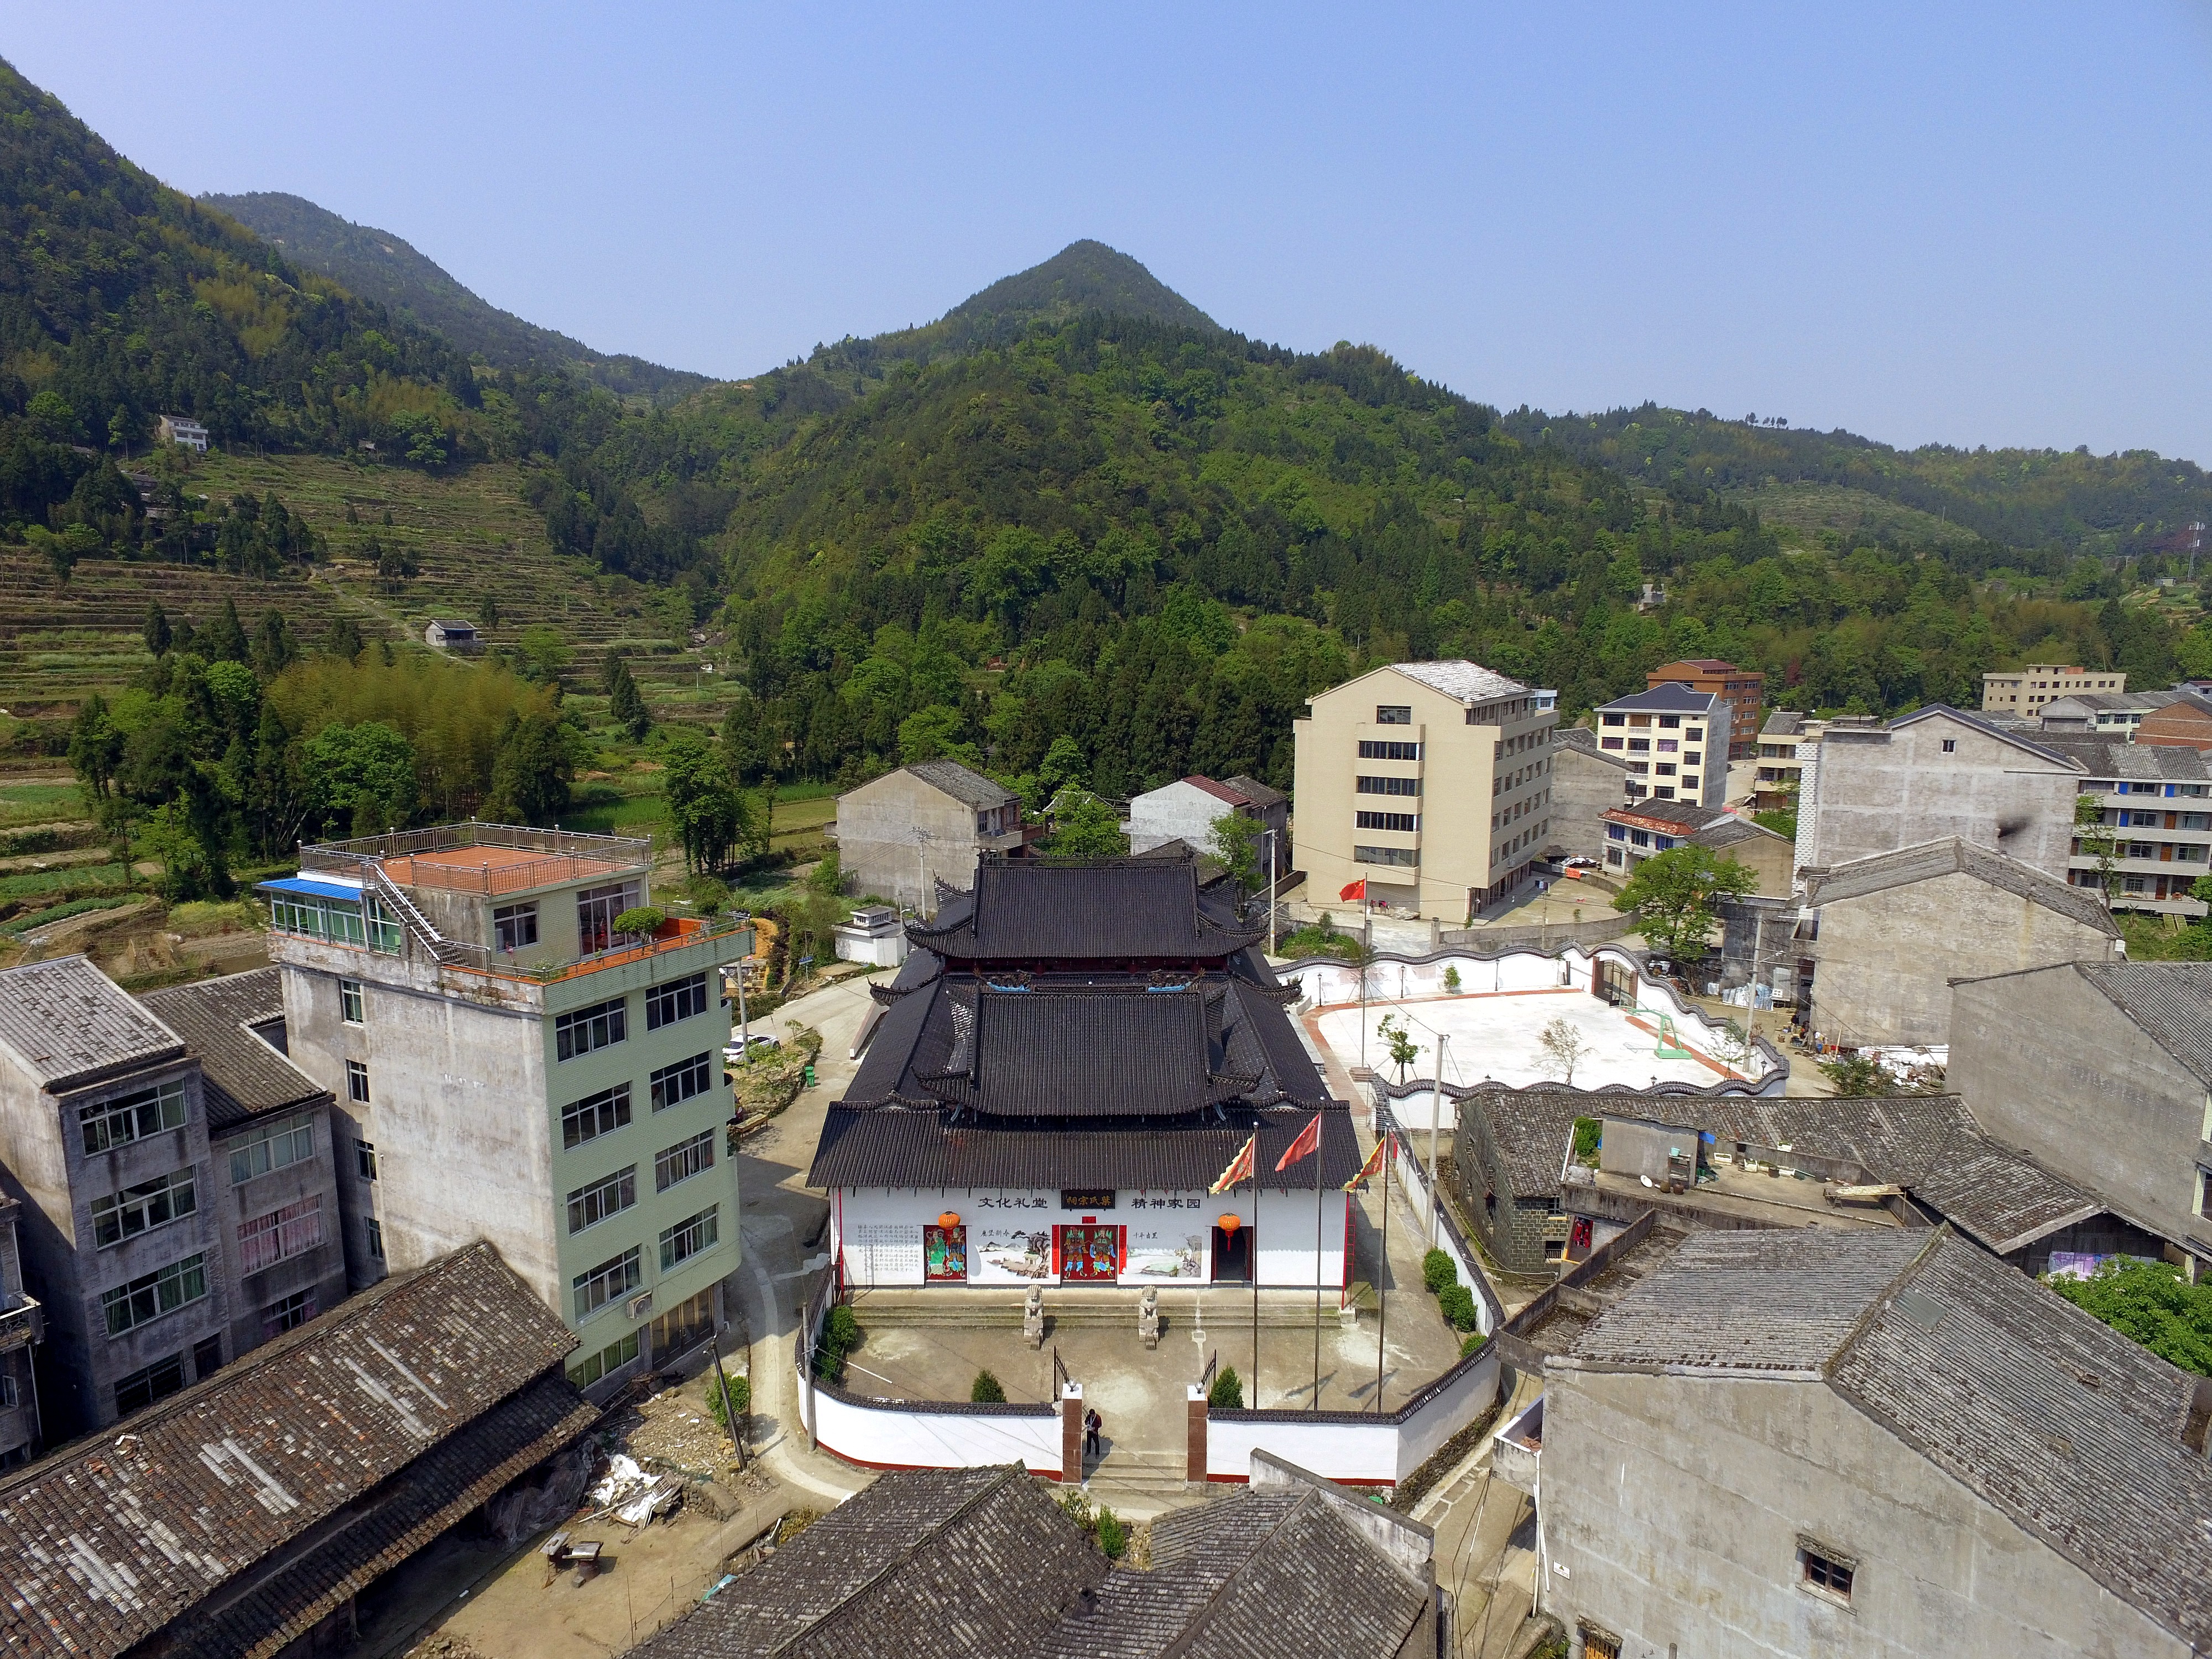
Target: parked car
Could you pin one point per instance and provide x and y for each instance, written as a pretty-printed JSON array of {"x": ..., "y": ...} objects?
[{"x": 760, "y": 1044}]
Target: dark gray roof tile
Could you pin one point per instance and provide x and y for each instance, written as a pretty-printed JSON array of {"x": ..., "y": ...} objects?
[
  {"x": 71, "y": 1026},
  {"x": 2172, "y": 1001},
  {"x": 245, "y": 1077},
  {"x": 1954, "y": 855}
]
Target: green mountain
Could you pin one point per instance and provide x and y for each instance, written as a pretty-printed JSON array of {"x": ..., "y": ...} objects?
[
  {"x": 385, "y": 268},
  {"x": 2069, "y": 502},
  {"x": 1082, "y": 276},
  {"x": 121, "y": 299}
]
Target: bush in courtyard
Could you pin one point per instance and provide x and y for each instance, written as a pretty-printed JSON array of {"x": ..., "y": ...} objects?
[
  {"x": 841, "y": 1334},
  {"x": 644, "y": 918},
  {"x": 1113, "y": 1536},
  {"x": 737, "y": 1402},
  {"x": 1587, "y": 1130},
  {"x": 1451, "y": 980},
  {"x": 1227, "y": 1393},
  {"x": 1438, "y": 1270},
  {"x": 985, "y": 1390},
  {"x": 1471, "y": 1344},
  {"x": 1457, "y": 1304}
]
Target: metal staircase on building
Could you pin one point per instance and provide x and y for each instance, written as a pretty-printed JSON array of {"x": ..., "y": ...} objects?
[{"x": 447, "y": 952}]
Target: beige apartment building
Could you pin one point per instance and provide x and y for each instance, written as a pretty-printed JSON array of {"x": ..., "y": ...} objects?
[
  {"x": 2025, "y": 690},
  {"x": 1431, "y": 781}
]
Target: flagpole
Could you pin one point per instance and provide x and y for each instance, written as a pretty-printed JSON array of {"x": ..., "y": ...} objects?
[
  {"x": 1381, "y": 1278},
  {"x": 1252, "y": 1250},
  {"x": 1320, "y": 1188}
]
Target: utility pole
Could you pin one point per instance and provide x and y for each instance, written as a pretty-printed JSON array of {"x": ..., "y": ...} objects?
[{"x": 1436, "y": 1111}]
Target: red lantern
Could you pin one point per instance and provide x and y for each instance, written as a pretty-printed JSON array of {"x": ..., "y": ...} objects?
[
  {"x": 948, "y": 1219},
  {"x": 1229, "y": 1224}
]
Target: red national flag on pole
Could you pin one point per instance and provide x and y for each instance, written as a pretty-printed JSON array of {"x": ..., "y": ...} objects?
[
  {"x": 1240, "y": 1167},
  {"x": 1357, "y": 890},
  {"x": 1307, "y": 1144},
  {"x": 1373, "y": 1167}
]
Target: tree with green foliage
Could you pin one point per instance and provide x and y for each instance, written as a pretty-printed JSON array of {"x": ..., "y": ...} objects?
[
  {"x": 1086, "y": 827},
  {"x": 624, "y": 701},
  {"x": 2098, "y": 840},
  {"x": 223, "y": 639},
  {"x": 342, "y": 638},
  {"x": 1675, "y": 896},
  {"x": 273, "y": 650},
  {"x": 155, "y": 632},
  {"x": 1227, "y": 1393},
  {"x": 1398, "y": 1039},
  {"x": 827, "y": 876},
  {"x": 2152, "y": 1303},
  {"x": 706, "y": 809},
  {"x": 1239, "y": 842},
  {"x": 95, "y": 751},
  {"x": 985, "y": 1390},
  {"x": 363, "y": 776},
  {"x": 530, "y": 777},
  {"x": 542, "y": 654}
]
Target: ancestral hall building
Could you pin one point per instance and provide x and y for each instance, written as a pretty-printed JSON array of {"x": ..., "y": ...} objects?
[{"x": 1073, "y": 1055}]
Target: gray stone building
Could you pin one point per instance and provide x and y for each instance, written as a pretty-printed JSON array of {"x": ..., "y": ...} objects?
[
  {"x": 901, "y": 836},
  {"x": 1586, "y": 780},
  {"x": 1675, "y": 741},
  {"x": 2156, "y": 804},
  {"x": 1935, "y": 773},
  {"x": 2103, "y": 1072},
  {"x": 1783, "y": 1443},
  {"x": 1514, "y": 1160},
  {"x": 1889, "y": 933},
  {"x": 274, "y": 1172},
  {"x": 22, "y": 1323},
  {"x": 103, "y": 1139}
]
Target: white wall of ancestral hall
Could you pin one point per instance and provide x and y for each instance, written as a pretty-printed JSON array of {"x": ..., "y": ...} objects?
[{"x": 877, "y": 1234}]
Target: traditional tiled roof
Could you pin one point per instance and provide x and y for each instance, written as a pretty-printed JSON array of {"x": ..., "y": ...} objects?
[
  {"x": 440, "y": 1381},
  {"x": 1468, "y": 682},
  {"x": 1954, "y": 855},
  {"x": 961, "y": 783},
  {"x": 1685, "y": 815},
  {"x": 1928, "y": 1144},
  {"x": 1782, "y": 723},
  {"x": 244, "y": 1077},
  {"x": 2066, "y": 1427},
  {"x": 1266, "y": 1573},
  {"x": 1113, "y": 909},
  {"x": 2109, "y": 757},
  {"x": 961, "y": 1564},
  {"x": 1256, "y": 793},
  {"x": 2172, "y": 1001},
  {"x": 1730, "y": 829},
  {"x": 69, "y": 1025},
  {"x": 1584, "y": 741}
]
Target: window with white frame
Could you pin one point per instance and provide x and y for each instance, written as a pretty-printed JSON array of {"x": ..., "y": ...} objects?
[
  {"x": 135, "y": 1116},
  {"x": 613, "y": 1279},
  {"x": 683, "y": 1160},
  {"x": 678, "y": 1000},
  {"x": 609, "y": 1195},
  {"x": 282, "y": 1234},
  {"x": 586, "y": 1029},
  {"x": 689, "y": 1236},
  {"x": 349, "y": 1001},
  {"x": 516, "y": 926},
  {"x": 149, "y": 1296},
  {"x": 142, "y": 1208},
  {"x": 357, "y": 1082},
  {"x": 272, "y": 1145},
  {"x": 683, "y": 1080},
  {"x": 595, "y": 1115}
]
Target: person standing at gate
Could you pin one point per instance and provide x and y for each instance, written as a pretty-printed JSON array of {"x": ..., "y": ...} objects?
[{"x": 1091, "y": 1425}]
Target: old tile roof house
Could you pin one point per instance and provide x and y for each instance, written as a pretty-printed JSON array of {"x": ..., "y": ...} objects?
[
  {"x": 1809, "y": 1442},
  {"x": 240, "y": 1515},
  {"x": 979, "y": 1564}
]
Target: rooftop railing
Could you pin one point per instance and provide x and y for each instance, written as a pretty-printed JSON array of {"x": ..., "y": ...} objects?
[{"x": 564, "y": 855}]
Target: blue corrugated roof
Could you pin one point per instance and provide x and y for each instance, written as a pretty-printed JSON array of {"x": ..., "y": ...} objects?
[{"x": 310, "y": 886}]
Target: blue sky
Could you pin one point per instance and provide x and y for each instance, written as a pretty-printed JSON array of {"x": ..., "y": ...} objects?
[{"x": 1967, "y": 224}]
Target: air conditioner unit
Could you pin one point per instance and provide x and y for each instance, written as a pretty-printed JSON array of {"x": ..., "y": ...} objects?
[{"x": 638, "y": 1305}]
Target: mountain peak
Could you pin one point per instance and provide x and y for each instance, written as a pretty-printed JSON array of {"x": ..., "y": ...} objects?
[{"x": 1084, "y": 275}]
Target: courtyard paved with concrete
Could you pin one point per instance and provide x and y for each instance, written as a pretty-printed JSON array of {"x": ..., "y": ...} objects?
[{"x": 1495, "y": 1037}]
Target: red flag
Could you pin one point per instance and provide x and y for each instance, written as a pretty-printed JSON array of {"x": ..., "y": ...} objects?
[
  {"x": 1358, "y": 890},
  {"x": 1307, "y": 1144},
  {"x": 1373, "y": 1167},
  {"x": 1240, "y": 1168}
]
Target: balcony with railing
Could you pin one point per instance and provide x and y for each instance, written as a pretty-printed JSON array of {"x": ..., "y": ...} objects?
[
  {"x": 483, "y": 858},
  {"x": 22, "y": 1321}
]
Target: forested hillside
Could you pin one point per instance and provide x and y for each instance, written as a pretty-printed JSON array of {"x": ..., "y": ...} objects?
[
  {"x": 380, "y": 266},
  {"x": 2038, "y": 500}
]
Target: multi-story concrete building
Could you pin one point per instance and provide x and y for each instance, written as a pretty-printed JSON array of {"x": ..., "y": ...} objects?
[
  {"x": 103, "y": 1139},
  {"x": 1786, "y": 743},
  {"x": 2155, "y": 840},
  {"x": 1743, "y": 689},
  {"x": 2026, "y": 690},
  {"x": 1676, "y": 742},
  {"x": 509, "y": 1064},
  {"x": 1187, "y": 810},
  {"x": 1430, "y": 782},
  {"x": 1888, "y": 935},
  {"x": 22, "y": 1323},
  {"x": 1586, "y": 783},
  {"x": 1635, "y": 834},
  {"x": 2102, "y": 713},
  {"x": 2184, "y": 723},
  {"x": 1933, "y": 774},
  {"x": 901, "y": 836},
  {"x": 273, "y": 1180},
  {"x": 1867, "y": 1443},
  {"x": 2103, "y": 1070}
]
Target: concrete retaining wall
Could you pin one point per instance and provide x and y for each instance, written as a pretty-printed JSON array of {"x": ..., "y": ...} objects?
[{"x": 932, "y": 1435}]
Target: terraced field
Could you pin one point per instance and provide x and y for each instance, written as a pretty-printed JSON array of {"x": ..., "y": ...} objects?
[{"x": 480, "y": 548}]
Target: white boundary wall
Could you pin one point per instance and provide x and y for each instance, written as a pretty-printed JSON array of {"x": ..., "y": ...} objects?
[{"x": 888, "y": 1436}]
